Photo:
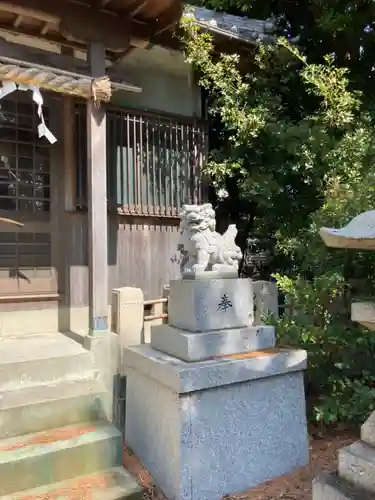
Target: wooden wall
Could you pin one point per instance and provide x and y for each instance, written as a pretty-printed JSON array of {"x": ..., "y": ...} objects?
[{"x": 142, "y": 252}]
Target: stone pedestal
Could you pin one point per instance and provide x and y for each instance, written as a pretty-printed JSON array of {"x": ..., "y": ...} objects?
[
  {"x": 212, "y": 407},
  {"x": 204, "y": 430},
  {"x": 192, "y": 346},
  {"x": 209, "y": 304}
]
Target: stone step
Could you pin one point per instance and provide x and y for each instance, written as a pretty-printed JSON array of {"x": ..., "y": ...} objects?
[
  {"x": 47, "y": 406},
  {"x": 368, "y": 430},
  {"x": 332, "y": 487},
  {"x": 30, "y": 360},
  {"x": 42, "y": 458},
  {"x": 356, "y": 464},
  {"x": 112, "y": 484}
]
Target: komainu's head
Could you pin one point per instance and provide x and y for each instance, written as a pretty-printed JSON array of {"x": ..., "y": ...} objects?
[{"x": 197, "y": 218}]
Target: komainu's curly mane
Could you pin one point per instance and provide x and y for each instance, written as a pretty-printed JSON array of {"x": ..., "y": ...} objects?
[{"x": 204, "y": 249}]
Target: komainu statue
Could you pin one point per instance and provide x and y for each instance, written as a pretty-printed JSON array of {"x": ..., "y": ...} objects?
[{"x": 203, "y": 248}]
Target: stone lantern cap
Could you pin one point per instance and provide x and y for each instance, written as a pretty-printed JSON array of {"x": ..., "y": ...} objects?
[{"x": 359, "y": 234}]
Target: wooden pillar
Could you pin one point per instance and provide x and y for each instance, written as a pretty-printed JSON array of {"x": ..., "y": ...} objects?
[
  {"x": 97, "y": 201},
  {"x": 70, "y": 171}
]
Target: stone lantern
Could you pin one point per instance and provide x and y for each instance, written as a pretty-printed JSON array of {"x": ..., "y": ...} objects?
[{"x": 355, "y": 477}]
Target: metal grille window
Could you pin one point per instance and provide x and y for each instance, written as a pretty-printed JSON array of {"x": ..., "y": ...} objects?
[
  {"x": 154, "y": 162},
  {"x": 24, "y": 159}
]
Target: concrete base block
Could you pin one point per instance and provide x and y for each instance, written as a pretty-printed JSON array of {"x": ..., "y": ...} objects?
[
  {"x": 209, "y": 304},
  {"x": 192, "y": 346},
  {"x": 357, "y": 465},
  {"x": 332, "y": 487},
  {"x": 208, "y": 429}
]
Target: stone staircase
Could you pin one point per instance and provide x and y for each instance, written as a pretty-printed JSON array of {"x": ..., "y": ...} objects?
[
  {"x": 355, "y": 478},
  {"x": 55, "y": 441}
]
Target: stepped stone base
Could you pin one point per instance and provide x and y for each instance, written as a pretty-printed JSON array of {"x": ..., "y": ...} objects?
[
  {"x": 357, "y": 465},
  {"x": 192, "y": 346},
  {"x": 355, "y": 479},
  {"x": 332, "y": 487},
  {"x": 207, "y": 429}
]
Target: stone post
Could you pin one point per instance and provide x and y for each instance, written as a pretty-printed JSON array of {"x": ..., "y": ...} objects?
[
  {"x": 127, "y": 315},
  {"x": 265, "y": 298}
]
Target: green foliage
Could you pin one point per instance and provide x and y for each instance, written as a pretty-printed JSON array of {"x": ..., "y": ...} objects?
[
  {"x": 296, "y": 144},
  {"x": 276, "y": 155},
  {"x": 340, "y": 372},
  {"x": 340, "y": 376},
  {"x": 340, "y": 27}
]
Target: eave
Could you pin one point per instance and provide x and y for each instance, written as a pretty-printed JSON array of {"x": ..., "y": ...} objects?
[{"x": 118, "y": 24}]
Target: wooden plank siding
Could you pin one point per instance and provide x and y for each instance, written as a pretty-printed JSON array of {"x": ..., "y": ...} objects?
[
  {"x": 142, "y": 252},
  {"x": 143, "y": 202},
  {"x": 143, "y": 237}
]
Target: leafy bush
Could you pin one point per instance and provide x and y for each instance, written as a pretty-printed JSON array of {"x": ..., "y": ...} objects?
[
  {"x": 296, "y": 143},
  {"x": 341, "y": 373},
  {"x": 340, "y": 379}
]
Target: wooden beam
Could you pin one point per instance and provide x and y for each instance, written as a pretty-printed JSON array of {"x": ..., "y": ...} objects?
[
  {"x": 43, "y": 57},
  {"x": 168, "y": 19},
  {"x": 138, "y": 8},
  {"x": 78, "y": 21},
  {"x": 35, "y": 33},
  {"x": 97, "y": 202},
  {"x": 20, "y": 10},
  {"x": 64, "y": 61}
]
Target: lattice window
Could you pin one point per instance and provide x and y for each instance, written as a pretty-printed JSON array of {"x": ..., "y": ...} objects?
[
  {"x": 154, "y": 162},
  {"x": 24, "y": 159},
  {"x": 25, "y": 255}
]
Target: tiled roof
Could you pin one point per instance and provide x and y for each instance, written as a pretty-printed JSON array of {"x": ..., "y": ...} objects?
[{"x": 235, "y": 27}]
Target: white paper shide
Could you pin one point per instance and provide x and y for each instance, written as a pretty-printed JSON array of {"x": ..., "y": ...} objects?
[{"x": 9, "y": 87}]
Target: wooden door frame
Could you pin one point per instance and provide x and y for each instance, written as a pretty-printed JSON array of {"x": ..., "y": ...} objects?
[{"x": 40, "y": 222}]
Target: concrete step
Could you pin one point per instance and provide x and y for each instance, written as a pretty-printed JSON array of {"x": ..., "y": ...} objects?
[
  {"x": 356, "y": 464},
  {"x": 332, "y": 487},
  {"x": 38, "y": 459},
  {"x": 30, "y": 360},
  {"x": 112, "y": 484},
  {"x": 47, "y": 406}
]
